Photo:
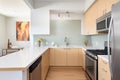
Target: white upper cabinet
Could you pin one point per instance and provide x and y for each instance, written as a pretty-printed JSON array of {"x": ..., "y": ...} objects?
[{"x": 40, "y": 21}]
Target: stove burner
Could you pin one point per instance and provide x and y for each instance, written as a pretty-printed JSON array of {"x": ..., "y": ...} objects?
[
  {"x": 98, "y": 52},
  {"x": 93, "y": 53}
]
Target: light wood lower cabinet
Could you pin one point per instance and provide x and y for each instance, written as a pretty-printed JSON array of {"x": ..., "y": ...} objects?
[
  {"x": 66, "y": 57},
  {"x": 60, "y": 57},
  {"x": 83, "y": 58},
  {"x": 52, "y": 57},
  {"x": 45, "y": 64},
  {"x": 103, "y": 70},
  {"x": 74, "y": 57}
]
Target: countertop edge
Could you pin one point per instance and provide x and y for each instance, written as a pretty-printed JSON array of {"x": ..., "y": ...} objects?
[
  {"x": 104, "y": 57},
  {"x": 30, "y": 63}
]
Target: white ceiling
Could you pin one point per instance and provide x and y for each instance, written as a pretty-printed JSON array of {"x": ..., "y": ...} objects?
[{"x": 14, "y": 8}]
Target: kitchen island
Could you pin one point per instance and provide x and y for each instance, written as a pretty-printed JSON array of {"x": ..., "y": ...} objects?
[{"x": 15, "y": 66}]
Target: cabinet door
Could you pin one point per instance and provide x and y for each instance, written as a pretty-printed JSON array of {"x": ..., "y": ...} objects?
[
  {"x": 90, "y": 20},
  {"x": 52, "y": 57},
  {"x": 109, "y": 4},
  {"x": 80, "y": 57},
  {"x": 73, "y": 57},
  {"x": 101, "y": 6},
  {"x": 44, "y": 65},
  {"x": 40, "y": 21},
  {"x": 104, "y": 6},
  {"x": 87, "y": 22},
  {"x": 103, "y": 70},
  {"x": 93, "y": 19},
  {"x": 83, "y": 58},
  {"x": 60, "y": 56}
]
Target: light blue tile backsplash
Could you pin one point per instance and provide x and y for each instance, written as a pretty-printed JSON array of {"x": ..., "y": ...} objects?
[
  {"x": 98, "y": 40},
  {"x": 61, "y": 28}
]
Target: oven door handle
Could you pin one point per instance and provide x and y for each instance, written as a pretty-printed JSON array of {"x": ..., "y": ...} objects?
[{"x": 90, "y": 58}]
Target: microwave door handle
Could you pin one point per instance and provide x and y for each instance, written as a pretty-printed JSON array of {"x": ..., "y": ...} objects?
[{"x": 109, "y": 35}]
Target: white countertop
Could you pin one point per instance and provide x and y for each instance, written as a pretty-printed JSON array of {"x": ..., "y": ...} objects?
[
  {"x": 74, "y": 46},
  {"x": 104, "y": 57},
  {"x": 22, "y": 59}
]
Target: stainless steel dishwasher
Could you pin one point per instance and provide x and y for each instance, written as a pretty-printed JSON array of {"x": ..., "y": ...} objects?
[{"x": 35, "y": 70}]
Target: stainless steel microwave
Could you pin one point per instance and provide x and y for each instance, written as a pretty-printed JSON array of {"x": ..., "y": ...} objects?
[{"x": 102, "y": 23}]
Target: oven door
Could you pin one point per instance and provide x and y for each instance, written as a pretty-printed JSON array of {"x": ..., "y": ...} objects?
[{"x": 91, "y": 67}]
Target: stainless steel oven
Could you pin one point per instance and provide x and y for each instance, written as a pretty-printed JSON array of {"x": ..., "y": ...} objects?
[{"x": 91, "y": 67}]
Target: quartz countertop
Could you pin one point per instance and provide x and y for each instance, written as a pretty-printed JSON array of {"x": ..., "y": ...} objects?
[
  {"x": 104, "y": 57},
  {"x": 74, "y": 46},
  {"x": 22, "y": 59}
]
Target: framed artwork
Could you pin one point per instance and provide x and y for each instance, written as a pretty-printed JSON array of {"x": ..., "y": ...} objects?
[{"x": 22, "y": 31}]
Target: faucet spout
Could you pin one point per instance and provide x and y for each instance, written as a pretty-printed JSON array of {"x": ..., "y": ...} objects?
[{"x": 66, "y": 41}]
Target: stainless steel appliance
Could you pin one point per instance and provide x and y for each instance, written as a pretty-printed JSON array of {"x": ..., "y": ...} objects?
[
  {"x": 103, "y": 22},
  {"x": 35, "y": 70},
  {"x": 114, "y": 39},
  {"x": 92, "y": 63}
]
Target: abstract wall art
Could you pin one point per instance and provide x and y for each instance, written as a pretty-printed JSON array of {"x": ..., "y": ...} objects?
[{"x": 22, "y": 31}]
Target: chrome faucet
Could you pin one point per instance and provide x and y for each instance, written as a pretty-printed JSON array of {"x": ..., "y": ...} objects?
[{"x": 66, "y": 41}]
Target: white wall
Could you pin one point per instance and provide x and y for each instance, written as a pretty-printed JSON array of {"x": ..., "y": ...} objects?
[
  {"x": 41, "y": 17},
  {"x": 3, "y": 34},
  {"x": 11, "y": 31}
]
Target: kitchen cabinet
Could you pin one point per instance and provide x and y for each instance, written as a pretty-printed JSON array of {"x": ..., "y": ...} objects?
[
  {"x": 98, "y": 9},
  {"x": 45, "y": 64},
  {"x": 60, "y": 57},
  {"x": 66, "y": 57},
  {"x": 103, "y": 70},
  {"x": 90, "y": 20},
  {"x": 52, "y": 57},
  {"x": 40, "y": 21},
  {"x": 74, "y": 57},
  {"x": 83, "y": 57},
  {"x": 101, "y": 8},
  {"x": 104, "y": 6}
]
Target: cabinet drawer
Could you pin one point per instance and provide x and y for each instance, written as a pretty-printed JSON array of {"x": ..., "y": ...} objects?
[
  {"x": 102, "y": 63},
  {"x": 104, "y": 74},
  {"x": 103, "y": 70}
]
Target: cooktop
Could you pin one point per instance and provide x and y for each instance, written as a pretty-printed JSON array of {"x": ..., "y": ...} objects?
[{"x": 97, "y": 52}]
